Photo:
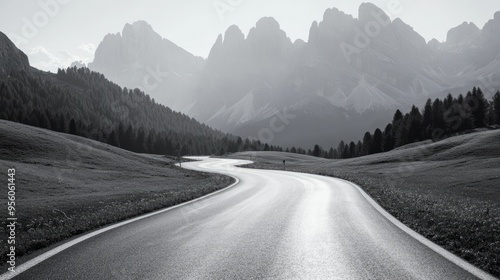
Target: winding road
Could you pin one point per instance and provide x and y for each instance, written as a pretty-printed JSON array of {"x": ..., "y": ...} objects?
[{"x": 268, "y": 225}]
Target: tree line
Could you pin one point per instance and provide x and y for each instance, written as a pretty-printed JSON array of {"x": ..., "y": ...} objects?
[
  {"x": 85, "y": 103},
  {"x": 438, "y": 120}
]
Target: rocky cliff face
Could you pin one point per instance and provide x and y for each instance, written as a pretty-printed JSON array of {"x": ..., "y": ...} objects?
[
  {"x": 463, "y": 36},
  {"x": 139, "y": 57},
  {"x": 11, "y": 58}
]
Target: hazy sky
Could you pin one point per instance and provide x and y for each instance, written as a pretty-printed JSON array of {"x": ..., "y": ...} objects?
[{"x": 56, "y": 32}]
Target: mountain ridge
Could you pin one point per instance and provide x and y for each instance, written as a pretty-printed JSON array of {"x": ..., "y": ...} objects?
[{"x": 395, "y": 68}]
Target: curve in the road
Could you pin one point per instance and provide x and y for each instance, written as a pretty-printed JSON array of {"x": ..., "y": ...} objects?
[{"x": 271, "y": 225}]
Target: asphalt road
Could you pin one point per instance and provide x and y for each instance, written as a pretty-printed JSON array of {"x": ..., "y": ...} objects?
[{"x": 270, "y": 225}]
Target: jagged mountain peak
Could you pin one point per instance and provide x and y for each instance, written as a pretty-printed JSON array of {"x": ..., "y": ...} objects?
[
  {"x": 333, "y": 17},
  {"x": 369, "y": 11},
  {"x": 138, "y": 26},
  {"x": 493, "y": 24},
  {"x": 408, "y": 37},
  {"x": 141, "y": 58},
  {"x": 267, "y": 23},
  {"x": 268, "y": 40},
  {"x": 464, "y": 34},
  {"x": 233, "y": 36},
  {"x": 489, "y": 38},
  {"x": 331, "y": 12},
  {"x": 140, "y": 31},
  {"x": 434, "y": 44},
  {"x": 266, "y": 28},
  {"x": 228, "y": 48},
  {"x": 216, "y": 48}
]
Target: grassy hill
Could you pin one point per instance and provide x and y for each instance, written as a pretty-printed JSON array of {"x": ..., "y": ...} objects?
[
  {"x": 448, "y": 191},
  {"x": 67, "y": 185}
]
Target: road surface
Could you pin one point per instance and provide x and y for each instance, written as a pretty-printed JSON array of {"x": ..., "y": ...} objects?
[{"x": 270, "y": 225}]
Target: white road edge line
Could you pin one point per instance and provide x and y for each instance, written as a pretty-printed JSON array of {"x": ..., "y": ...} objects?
[
  {"x": 481, "y": 274},
  {"x": 31, "y": 263}
]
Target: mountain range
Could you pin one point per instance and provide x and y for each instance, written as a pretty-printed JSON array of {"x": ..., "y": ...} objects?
[
  {"x": 347, "y": 78},
  {"x": 85, "y": 103}
]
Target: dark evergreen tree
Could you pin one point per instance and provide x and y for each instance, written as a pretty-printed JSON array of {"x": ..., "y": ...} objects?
[
  {"x": 72, "y": 127},
  {"x": 448, "y": 101},
  {"x": 345, "y": 152},
  {"x": 479, "y": 106},
  {"x": 427, "y": 119},
  {"x": 352, "y": 150},
  {"x": 129, "y": 140},
  {"x": 388, "y": 138},
  {"x": 402, "y": 133},
  {"x": 377, "y": 142},
  {"x": 335, "y": 154},
  {"x": 496, "y": 107},
  {"x": 317, "y": 151},
  {"x": 398, "y": 116},
  {"x": 331, "y": 153},
  {"x": 113, "y": 139},
  {"x": 438, "y": 123},
  {"x": 140, "y": 143},
  {"x": 340, "y": 148},
  {"x": 367, "y": 147}
]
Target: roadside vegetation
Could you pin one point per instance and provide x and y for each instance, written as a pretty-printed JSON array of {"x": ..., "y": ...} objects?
[{"x": 67, "y": 185}]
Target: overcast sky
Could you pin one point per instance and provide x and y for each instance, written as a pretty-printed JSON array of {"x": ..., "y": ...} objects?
[{"x": 55, "y": 33}]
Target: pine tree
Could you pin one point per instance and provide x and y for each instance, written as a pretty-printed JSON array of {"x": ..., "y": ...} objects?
[
  {"x": 121, "y": 135},
  {"x": 352, "y": 150},
  {"x": 479, "y": 106},
  {"x": 72, "y": 127},
  {"x": 427, "y": 119},
  {"x": 129, "y": 139},
  {"x": 415, "y": 125},
  {"x": 367, "y": 148},
  {"x": 438, "y": 123},
  {"x": 140, "y": 143},
  {"x": 403, "y": 132},
  {"x": 340, "y": 148},
  {"x": 496, "y": 107},
  {"x": 331, "y": 153},
  {"x": 448, "y": 101},
  {"x": 359, "y": 148},
  {"x": 335, "y": 154},
  {"x": 388, "y": 138},
  {"x": 61, "y": 124},
  {"x": 345, "y": 152},
  {"x": 377, "y": 142},
  {"x": 113, "y": 139},
  {"x": 317, "y": 151},
  {"x": 398, "y": 116}
]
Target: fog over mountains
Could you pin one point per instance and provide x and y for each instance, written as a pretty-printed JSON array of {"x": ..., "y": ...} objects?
[{"x": 346, "y": 79}]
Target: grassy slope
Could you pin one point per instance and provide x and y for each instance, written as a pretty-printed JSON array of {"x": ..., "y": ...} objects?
[
  {"x": 448, "y": 191},
  {"x": 67, "y": 185}
]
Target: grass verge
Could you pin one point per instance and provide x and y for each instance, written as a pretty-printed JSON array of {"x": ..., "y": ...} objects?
[{"x": 68, "y": 185}]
